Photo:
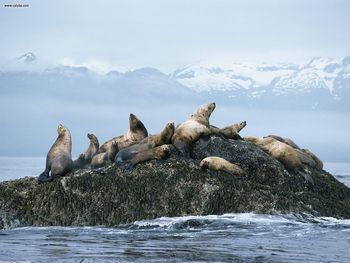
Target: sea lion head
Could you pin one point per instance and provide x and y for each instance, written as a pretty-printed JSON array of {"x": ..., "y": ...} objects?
[
  {"x": 133, "y": 120},
  {"x": 136, "y": 125},
  {"x": 204, "y": 163},
  {"x": 61, "y": 130},
  {"x": 92, "y": 138},
  {"x": 205, "y": 110},
  {"x": 165, "y": 150},
  {"x": 241, "y": 125}
]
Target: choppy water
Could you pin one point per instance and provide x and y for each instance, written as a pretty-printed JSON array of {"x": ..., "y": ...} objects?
[
  {"x": 226, "y": 238},
  {"x": 230, "y": 237}
]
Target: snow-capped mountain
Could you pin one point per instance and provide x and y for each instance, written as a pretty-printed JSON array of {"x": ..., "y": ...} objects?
[
  {"x": 320, "y": 73},
  {"x": 323, "y": 83},
  {"x": 204, "y": 76},
  {"x": 282, "y": 79},
  {"x": 28, "y": 57}
]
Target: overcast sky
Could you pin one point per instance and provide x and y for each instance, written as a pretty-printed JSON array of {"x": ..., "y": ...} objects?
[{"x": 168, "y": 34}]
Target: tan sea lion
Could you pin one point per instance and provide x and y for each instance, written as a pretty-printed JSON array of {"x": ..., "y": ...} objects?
[
  {"x": 232, "y": 131},
  {"x": 193, "y": 128},
  {"x": 84, "y": 159},
  {"x": 279, "y": 150},
  {"x": 220, "y": 164},
  {"x": 306, "y": 156},
  {"x": 157, "y": 153},
  {"x": 285, "y": 140},
  {"x": 59, "y": 158},
  {"x": 149, "y": 142},
  {"x": 105, "y": 158}
]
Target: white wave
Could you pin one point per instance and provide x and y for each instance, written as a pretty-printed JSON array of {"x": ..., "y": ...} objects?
[
  {"x": 200, "y": 222},
  {"x": 226, "y": 219}
]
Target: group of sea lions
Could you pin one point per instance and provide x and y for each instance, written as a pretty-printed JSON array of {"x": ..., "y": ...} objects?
[{"x": 137, "y": 146}]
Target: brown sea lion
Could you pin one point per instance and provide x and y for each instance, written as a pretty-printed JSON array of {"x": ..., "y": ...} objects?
[
  {"x": 59, "y": 158},
  {"x": 193, "y": 128},
  {"x": 135, "y": 134},
  {"x": 149, "y": 142},
  {"x": 220, "y": 164},
  {"x": 105, "y": 158},
  {"x": 84, "y": 159},
  {"x": 318, "y": 162},
  {"x": 279, "y": 150}
]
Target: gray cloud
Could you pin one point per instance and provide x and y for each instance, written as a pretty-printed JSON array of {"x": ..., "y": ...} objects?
[{"x": 165, "y": 34}]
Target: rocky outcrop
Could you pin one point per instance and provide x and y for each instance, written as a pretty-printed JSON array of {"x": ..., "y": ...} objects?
[{"x": 174, "y": 187}]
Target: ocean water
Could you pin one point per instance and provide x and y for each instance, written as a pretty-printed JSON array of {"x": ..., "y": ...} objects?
[
  {"x": 18, "y": 167},
  {"x": 246, "y": 237}
]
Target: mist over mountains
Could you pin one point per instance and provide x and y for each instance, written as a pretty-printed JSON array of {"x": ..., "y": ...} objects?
[
  {"x": 288, "y": 99},
  {"x": 321, "y": 84}
]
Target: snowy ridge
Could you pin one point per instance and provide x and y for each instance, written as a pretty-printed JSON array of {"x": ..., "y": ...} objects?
[
  {"x": 320, "y": 83},
  {"x": 206, "y": 77},
  {"x": 320, "y": 73},
  {"x": 28, "y": 57}
]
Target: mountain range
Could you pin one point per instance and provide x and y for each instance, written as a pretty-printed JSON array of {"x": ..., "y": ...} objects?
[{"x": 323, "y": 83}]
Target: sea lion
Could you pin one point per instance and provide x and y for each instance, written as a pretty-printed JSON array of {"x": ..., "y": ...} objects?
[
  {"x": 193, "y": 128},
  {"x": 156, "y": 153},
  {"x": 306, "y": 156},
  {"x": 279, "y": 150},
  {"x": 149, "y": 142},
  {"x": 232, "y": 131},
  {"x": 220, "y": 164},
  {"x": 84, "y": 159},
  {"x": 135, "y": 134},
  {"x": 59, "y": 158},
  {"x": 318, "y": 162},
  {"x": 105, "y": 158},
  {"x": 285, "y": 140}
]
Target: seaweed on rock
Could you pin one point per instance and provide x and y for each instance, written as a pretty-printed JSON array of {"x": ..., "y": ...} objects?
[{"x": 174, "y": 187}]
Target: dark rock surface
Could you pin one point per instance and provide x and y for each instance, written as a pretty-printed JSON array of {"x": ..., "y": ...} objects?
[{"x": 174, "y": 187}]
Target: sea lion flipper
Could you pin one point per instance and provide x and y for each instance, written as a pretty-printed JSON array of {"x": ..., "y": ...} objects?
[
  {"x": 237, "y": 137},
  {"x": 44, "y": 177}
]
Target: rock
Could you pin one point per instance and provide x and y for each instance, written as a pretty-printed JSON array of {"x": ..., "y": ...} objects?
[{"x": 174, "y": 187}]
